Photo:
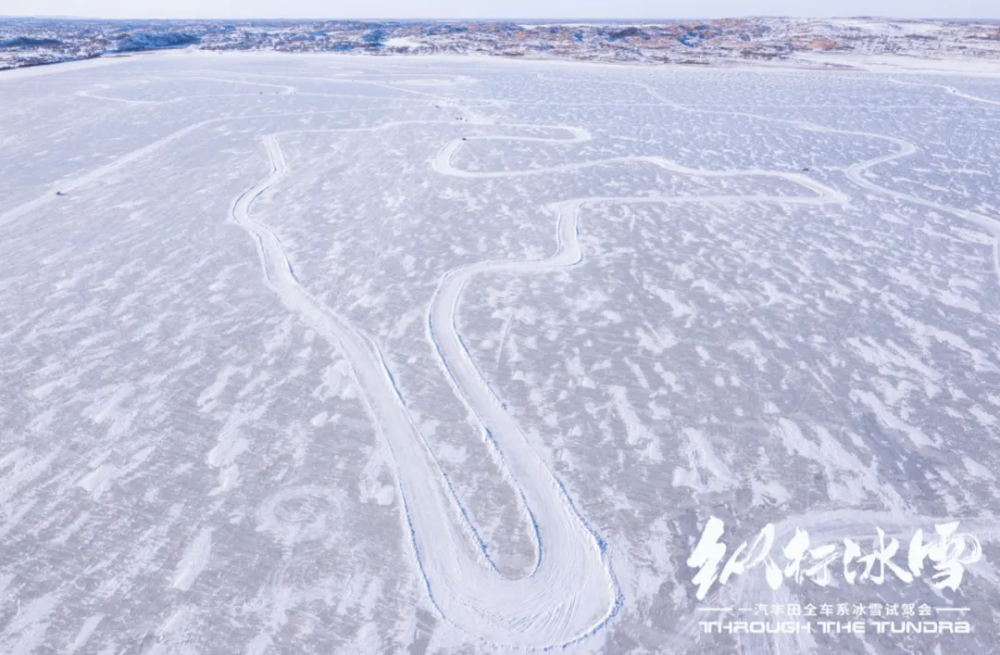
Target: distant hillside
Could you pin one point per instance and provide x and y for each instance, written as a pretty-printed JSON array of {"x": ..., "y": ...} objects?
[{"x": 25, "y": 42}]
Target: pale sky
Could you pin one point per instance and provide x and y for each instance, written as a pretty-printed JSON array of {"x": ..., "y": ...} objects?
[{"x": 563, "y": 9}]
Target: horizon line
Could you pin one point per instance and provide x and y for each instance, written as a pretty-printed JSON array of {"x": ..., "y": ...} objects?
[{"x": 556, "y": 20}]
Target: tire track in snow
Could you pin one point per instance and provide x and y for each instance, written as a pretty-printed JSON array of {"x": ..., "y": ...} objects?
[
  {"x": 830, "y": 526},
  {"x": 570, "y": 594},
  {"x": 949, "y": 89},
  {"x": 94, "y": 94},
  {"x": 856, "y": 171},
  {"x": 561, "y": 532},
  {"x": 503, "y": 340},
  {"x": 572, "y": 591},
  {"x": 81, "y": 180},
  {"x": 90, "y": 177}
]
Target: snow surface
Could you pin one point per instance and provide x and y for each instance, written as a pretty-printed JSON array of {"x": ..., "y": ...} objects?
[
  {"x": 402, "y": 42},
  {"x": 322, "y": 354}
]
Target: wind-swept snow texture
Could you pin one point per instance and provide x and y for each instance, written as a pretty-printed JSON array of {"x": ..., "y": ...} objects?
[{"x": 320, "y": 354}]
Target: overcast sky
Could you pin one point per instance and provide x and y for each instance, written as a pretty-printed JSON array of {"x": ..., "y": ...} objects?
[{"x": 497, "y": 8}]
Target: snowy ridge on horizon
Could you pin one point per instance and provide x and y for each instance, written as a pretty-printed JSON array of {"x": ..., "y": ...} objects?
[{"x": 27, "y": 41}]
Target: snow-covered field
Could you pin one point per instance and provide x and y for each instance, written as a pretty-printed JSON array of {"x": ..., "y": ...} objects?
[{"x": 339, "y": 355}]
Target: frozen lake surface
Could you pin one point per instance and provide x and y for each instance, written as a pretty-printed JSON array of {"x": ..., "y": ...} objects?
[{"x": 348, "y": 355}]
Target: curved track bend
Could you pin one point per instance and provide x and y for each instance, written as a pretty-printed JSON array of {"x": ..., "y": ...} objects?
[{"x": 572, "y": 591}]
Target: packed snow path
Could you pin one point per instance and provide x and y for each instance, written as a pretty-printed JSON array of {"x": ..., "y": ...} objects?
[
  {"x": 572, "y": 590},
  {"x": 856, "y": 172}
]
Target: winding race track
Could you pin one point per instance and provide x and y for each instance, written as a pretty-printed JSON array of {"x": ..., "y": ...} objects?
[
  {"x": 584, "y": 575},
  {"x": 571, "y": 592}
]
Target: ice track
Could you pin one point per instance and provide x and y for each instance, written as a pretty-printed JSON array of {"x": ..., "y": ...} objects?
[
  {"x": 950, "y": 89},
  {"x": 830, "y": 525},
  {"x": 572, "y": 591},
  {"x": 856, "y": 171}
]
